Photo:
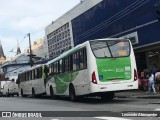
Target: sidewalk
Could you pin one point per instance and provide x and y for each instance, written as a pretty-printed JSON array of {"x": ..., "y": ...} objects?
[{"x": 136, "y": 94}]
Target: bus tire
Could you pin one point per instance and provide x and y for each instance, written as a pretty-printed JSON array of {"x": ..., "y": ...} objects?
[
  {"x": 22, "y": 93},
  {"x": 33, "y": 93},
  {"x": 7, "y": 94},
  {"x": 52, "y": 93},
  {"x": 72, "y": 93},
  {"x": 107, "y": 96}
]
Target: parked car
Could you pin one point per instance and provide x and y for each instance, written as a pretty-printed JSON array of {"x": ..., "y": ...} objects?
[
  {"x": 1, "y": 93},
  {"x": 10, "y": 89}
]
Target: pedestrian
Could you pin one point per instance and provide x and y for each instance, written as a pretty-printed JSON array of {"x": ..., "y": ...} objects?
[
  {"x": 139, "y": 81},
  {"x": 157, "y": 81},
  {"x": 154, "y": 69},
  {"x": 151, "y": 85}
]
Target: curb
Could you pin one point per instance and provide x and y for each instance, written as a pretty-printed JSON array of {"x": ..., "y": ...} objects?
[{"x": 136, "y": 95}]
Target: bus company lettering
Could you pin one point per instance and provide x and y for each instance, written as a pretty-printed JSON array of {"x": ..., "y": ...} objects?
[
  {"x": 119, "y": 69},
  {"x": 107, "y": 70}
]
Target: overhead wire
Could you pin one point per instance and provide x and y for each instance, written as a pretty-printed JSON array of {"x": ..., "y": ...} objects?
[{"x": 25, "y": 36}]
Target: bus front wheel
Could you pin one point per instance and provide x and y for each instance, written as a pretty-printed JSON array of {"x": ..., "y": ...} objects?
[
  {"x": 52, "y": 93},
  {"x": 72, "y": 93}
]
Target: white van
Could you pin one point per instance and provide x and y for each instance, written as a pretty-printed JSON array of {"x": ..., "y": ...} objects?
[{"x": 10, "y": 89}]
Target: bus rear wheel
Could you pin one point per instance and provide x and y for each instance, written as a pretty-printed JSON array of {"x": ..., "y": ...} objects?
[
  {"x": 72, "y": 93},
  {"x": 33, "y": 93},
  {"x": 22, "y": 93},
  {"x": 107, "y": 96},
  {"x": 7, "y": 94}
]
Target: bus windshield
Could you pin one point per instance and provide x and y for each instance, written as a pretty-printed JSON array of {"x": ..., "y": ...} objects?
[{"x": 110, "y": 48}]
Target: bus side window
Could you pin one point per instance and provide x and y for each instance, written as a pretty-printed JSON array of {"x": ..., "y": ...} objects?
[
  {"x": 60, "y": 66},
  {"x": 30, "y": 75},
  {"x": 52, "y": 68},
  {"x": 49, "y": 69},
  {"x": 40, "y": 72},
  {"x": 63, "y": 65},
  {"x": 35, "y": 73},
  {"x": 77, "y": 61},
  {"x": 55, "y": 68},
  {"x": 81, "y": 59},
  {"x": 66, "y": 65},
  {"x": 24, "y": 76},
  {"x": 74, "y": 61},
  {"x": 46, "y": 70},
  {"x": 84, "y": 58},
  {"x": 70, "y": 64},
  {"x": 27, "y": 76}
]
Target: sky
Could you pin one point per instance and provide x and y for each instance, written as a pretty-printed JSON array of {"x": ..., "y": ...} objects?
[{"x": 20, "y": 17}]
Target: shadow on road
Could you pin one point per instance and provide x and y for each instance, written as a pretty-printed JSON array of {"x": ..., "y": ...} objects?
[{"x": 86, "y": 100}]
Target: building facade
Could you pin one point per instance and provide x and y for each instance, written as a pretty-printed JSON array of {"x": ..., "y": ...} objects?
[
  {"x": 39, "y": 48},
  {"x": 12, "y": 68},
  {"x": 59, "y": 34},
  {"x": 137, "y": 20}
]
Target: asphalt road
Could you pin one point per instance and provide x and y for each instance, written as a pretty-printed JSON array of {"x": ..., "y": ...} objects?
[{"x": 83, "y": 109}]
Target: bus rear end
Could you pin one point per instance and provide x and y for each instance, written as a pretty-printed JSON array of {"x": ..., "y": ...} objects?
[{"x": 115, "y": 68}]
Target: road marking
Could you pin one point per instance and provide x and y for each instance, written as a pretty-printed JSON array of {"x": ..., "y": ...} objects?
[
  {"x": 54, "y": 119},
  {"x": 111, "y": 118}
]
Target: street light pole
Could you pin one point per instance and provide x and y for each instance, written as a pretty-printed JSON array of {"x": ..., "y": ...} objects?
[{"x": 31, "y": 63}]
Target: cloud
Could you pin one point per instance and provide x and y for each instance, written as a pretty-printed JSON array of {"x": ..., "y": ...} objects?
[{"x": 19, "y": 17}]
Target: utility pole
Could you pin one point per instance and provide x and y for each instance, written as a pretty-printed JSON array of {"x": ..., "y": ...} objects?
[{"x": 31, "y": 62}]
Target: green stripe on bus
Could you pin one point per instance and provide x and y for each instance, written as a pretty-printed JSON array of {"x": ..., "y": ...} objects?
[{"x": 62, "y": 81}]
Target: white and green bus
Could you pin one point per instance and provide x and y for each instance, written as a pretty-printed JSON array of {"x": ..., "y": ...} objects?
[
  {"x": 32, "y": 81},
  {"x": 97, "y": 67}
]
